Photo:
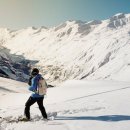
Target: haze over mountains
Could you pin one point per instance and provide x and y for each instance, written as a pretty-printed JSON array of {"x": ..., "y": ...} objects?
[{"x": 75, "y": 49}]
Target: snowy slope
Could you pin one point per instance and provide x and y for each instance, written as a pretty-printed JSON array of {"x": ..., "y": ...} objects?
[
  {"x": 76, "y": 49},
  {"x": 8, "y": 86},
  {"x": 81, "y": 105}
]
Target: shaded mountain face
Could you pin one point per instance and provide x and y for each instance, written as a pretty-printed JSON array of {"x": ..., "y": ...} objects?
[
  {"x": 13, "y": 66},
  {"x": 76, "y": 49}
]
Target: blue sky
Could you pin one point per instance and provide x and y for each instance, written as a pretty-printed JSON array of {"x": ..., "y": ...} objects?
[{"x": 17, "y": 14}]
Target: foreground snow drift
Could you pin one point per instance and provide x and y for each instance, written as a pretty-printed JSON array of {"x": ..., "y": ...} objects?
[{"x": 91, "y": 105}]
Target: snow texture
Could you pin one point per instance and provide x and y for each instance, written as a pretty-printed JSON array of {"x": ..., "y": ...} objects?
[
  {"x": 80, "y": 105},
  {"x": 75, "y": 49}
]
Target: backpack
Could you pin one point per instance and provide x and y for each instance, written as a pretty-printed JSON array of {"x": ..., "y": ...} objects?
[{"x": 42, "y": 87}]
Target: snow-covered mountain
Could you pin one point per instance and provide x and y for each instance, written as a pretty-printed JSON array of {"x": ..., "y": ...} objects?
[{"x": 76, "y": 49}]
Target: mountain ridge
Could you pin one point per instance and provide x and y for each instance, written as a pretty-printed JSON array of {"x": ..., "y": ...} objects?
[{"x": 76, "y": 49}]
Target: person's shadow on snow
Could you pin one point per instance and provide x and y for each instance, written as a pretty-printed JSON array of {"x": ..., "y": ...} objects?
[{"x": 109, "y": 118}]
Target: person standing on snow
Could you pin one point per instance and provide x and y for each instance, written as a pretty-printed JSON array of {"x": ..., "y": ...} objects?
[{"x": 35, "y": 97}]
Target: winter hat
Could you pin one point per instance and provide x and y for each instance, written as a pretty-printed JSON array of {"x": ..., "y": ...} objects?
[{"x": 35, "y": 71}]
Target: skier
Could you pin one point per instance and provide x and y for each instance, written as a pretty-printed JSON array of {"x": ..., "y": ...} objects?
[{"x": 35, "y": 97}]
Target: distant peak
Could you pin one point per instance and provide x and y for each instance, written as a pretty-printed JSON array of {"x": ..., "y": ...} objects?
[
  {"x": 79, "y": 22},
  {"x": 31, "y": 28},
  {"x": 43, "y": 27},
  {"x": 75, "y": 22},
  {"x": 36, "y": 28},
  {"x": 117, "y": 16},
  {"x": 94, "y": 22}
]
